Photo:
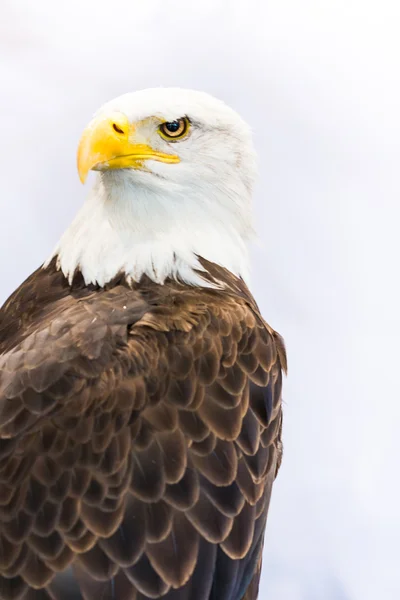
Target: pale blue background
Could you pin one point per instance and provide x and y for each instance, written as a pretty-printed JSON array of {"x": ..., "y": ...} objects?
[{"x": 319, "y": 83}]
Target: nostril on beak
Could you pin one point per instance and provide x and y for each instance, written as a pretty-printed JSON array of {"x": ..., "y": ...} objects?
[{"x": 117, "y": 128}]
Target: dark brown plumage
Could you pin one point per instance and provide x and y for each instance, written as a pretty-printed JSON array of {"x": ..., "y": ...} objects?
[{"x": 140, "y": 434}]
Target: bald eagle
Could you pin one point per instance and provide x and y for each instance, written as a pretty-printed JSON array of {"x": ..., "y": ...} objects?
[{"x": 140, "y": 387}]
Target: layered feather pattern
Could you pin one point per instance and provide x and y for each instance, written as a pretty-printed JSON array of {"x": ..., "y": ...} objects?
[{"x": 140, "y": 434}]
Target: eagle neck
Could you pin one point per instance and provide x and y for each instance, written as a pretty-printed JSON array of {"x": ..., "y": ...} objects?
[{"x": 141, "y": 232}]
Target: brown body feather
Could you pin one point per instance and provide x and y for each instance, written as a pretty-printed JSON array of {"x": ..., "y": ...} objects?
[{"x": 139, "y": 440}]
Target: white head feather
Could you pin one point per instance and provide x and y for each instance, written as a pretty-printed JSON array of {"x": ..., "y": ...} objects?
[{"x": 158, "y": 221}]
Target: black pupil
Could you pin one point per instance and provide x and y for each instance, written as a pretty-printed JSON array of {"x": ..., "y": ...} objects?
[{"x": 173, "y": 126}]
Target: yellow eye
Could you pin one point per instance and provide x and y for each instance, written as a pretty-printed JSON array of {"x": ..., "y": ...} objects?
[{"x": 174, "y": 130}]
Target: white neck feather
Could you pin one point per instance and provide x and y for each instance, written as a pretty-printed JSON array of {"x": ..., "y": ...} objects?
[{"x": 126, "y": 227}]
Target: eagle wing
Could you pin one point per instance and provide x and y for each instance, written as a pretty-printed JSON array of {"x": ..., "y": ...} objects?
[{"x": 139, "y": 440}]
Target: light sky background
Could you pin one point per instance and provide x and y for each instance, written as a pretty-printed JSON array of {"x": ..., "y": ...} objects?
[{"x": 319, "y": 83}]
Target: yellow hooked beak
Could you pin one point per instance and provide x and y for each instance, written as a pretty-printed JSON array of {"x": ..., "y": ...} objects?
[{"x": 109, "y": 143}]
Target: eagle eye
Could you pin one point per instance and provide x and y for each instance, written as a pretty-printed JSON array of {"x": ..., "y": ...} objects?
[{"x": 174, "y": 130}]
